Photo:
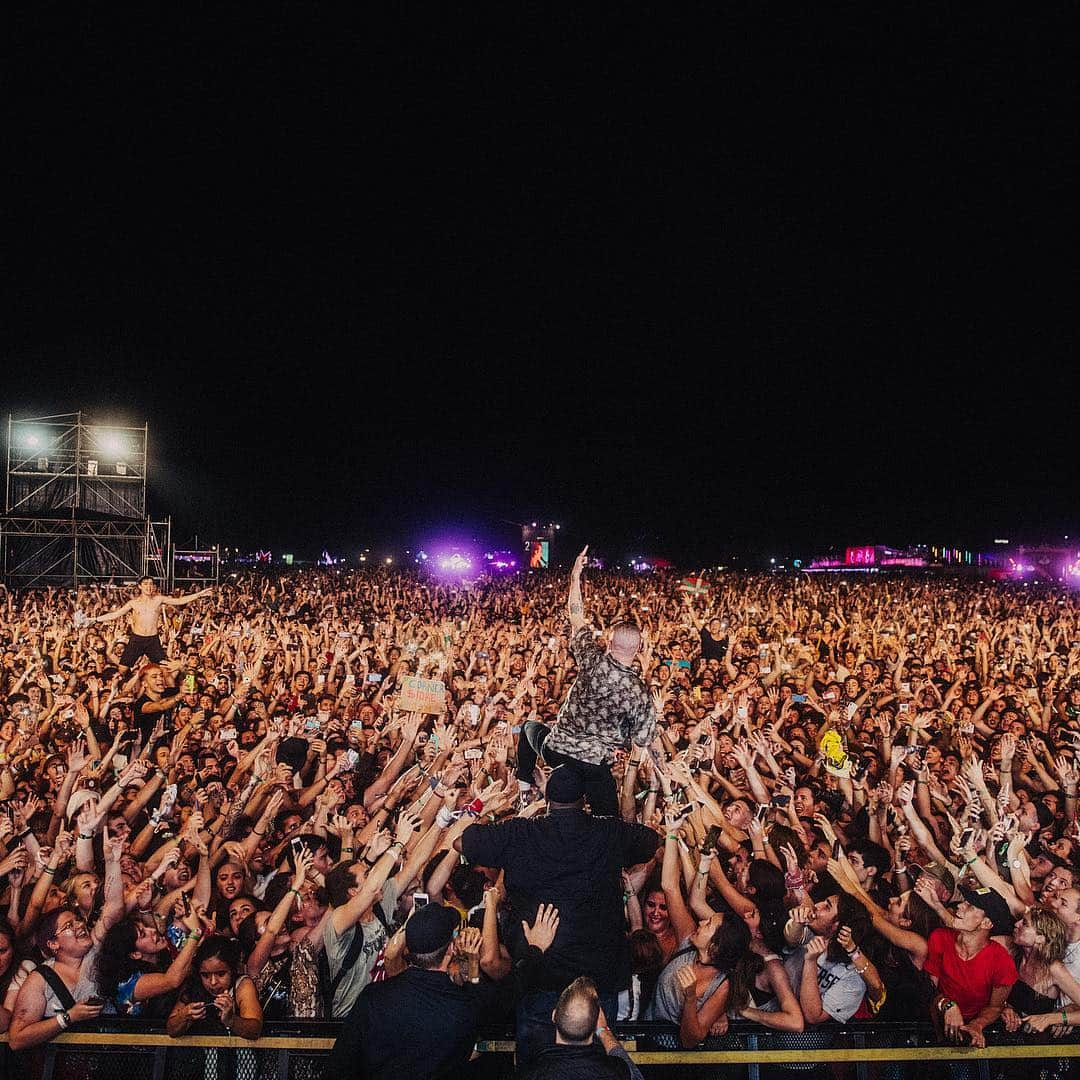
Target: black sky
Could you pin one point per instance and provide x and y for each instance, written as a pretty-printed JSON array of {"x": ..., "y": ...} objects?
[{"x": 748, "y": 283}]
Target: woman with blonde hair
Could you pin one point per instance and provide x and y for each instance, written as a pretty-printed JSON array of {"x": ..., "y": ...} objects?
[{"x": 1040, "y": 937}]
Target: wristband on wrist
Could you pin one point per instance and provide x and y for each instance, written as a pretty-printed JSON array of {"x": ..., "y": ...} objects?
[
  {"x": 63, "y": 1018},
  {"x": 1064, "y": 1017}
]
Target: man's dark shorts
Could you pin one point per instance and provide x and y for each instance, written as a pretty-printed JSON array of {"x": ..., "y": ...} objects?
[{"x": 141, "y": 646}]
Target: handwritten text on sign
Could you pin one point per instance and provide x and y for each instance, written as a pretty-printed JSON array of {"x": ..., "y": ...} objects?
[{"x": 422, "y": 695}]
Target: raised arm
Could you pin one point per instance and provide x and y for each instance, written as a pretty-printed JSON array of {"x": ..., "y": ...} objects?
[
  {"x": 111, "y": 616},
  {"x": 670, "y": 881},
  {"x": 181, "y": 601},
  {"x": 575, "y": 605}
]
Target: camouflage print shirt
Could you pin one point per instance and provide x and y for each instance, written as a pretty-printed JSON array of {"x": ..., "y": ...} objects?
[{"x": 607, "y": 707}]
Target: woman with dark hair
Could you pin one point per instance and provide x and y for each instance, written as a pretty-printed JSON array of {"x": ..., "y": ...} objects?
[
  {"x": 217, "y": 999},
  {"x": 8, "y": 967},
  {"x": 284, "y": 968},
  {"x": 694, "y": 989},
  {"x": 129, "y": 971}
]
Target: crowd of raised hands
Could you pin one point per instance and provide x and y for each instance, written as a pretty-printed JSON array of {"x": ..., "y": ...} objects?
[{"x": 170, "y": 836}]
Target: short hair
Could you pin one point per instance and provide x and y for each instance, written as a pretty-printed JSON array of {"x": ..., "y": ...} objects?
[
  {"x": 339, "y": 881},
  {"x": 46, "y": 929},
  {"x": 626, "y": 636},
  {"x": 428, "y": 960},
  {"x": 873, "y": 855},
  {"x": 577, "y": 1011}
]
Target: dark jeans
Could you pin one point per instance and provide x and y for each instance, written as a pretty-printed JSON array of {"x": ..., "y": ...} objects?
[
  {"x": 599, "y": 784},
  {"x": 534, "y": 1027}
]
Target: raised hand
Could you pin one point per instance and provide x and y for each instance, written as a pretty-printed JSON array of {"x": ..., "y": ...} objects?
[
  {"x": 407, "y": 824},
  {"x": 469, "y": 941},
  {"x": 544, "y": 928},
  {"x": 580, "y": 562},
  {"x": 302, "y": 860},
  {"x": 686, "y": 979}
]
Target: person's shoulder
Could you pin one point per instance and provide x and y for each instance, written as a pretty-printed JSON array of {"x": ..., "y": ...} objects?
[
  {"x": 942, "y": 936},
  {"x": 1000, "y": 953}
]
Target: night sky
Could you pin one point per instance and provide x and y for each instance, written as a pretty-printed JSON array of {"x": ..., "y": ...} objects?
[{"x": 747, "y": 285}]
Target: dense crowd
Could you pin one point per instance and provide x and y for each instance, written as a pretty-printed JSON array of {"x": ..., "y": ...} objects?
[{"x": 792, "y": 800}]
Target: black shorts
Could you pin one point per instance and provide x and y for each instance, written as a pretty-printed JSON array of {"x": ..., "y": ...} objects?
[{"x": 142, "y": 646}]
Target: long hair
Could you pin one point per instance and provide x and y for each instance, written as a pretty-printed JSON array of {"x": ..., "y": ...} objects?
[
  {"x": 224, "y": 949},
  {"x": 924, "y": 919},
  {"x": 729, "y": 950},
  {"x": 1055, "y": 940},
  {"x": 850, "y": 913},
  {"x": 114, "y": 961}
]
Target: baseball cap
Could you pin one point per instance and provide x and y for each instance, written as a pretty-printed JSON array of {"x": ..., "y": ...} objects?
[
  {"x": 431, "y": 929},
  {"x": 942, "y": 873},
  {"x": 993, "y": 906},
  {"x": 564, "y": 786}
]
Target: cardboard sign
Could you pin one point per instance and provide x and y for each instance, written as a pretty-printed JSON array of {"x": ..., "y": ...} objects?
[
  {"x": 422, "y": 695},
  {"x": 836, "y": 760}
]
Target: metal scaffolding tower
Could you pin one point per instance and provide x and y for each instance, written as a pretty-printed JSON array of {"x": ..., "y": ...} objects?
[{"x": 75, "y": 505}]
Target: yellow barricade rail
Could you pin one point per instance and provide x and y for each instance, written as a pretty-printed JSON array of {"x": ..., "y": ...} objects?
[{"x": 804, "y": 1057}]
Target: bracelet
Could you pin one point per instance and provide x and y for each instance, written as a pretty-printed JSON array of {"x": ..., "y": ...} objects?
[
  {"x": 47, "y": 870},
  {"x": 970, "y": 861},
  {"x": 862, "y": 970},
  {"x": 1064, "y": 1017},
  {"x": 63, "y": 1018},
  {"x": 257, "y": 833},
  {"x": 86, "y": 836},
  {"x": 672, "y": 836},
  {"x": 899, "y": 869},
  {"x": 368, "y": 862},
  {"x": 396, "y": 843},
  {"x": 297, "y": 892},
  {"x": 350, "y": 850}
]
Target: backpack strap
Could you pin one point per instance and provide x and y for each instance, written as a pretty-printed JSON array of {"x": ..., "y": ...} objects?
[
  {"x": 57, "y": 985},
  {"x": 330, "y": 985}
]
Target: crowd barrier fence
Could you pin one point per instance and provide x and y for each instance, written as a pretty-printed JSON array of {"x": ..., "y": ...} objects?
[{"x": 140, "y": 1050}]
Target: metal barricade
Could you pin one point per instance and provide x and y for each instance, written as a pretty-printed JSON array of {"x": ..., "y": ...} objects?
[{"x": 140, "y": 1050}]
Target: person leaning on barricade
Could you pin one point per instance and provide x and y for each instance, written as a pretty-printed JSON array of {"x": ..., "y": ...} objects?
[{"x": 422, "y": 1022}]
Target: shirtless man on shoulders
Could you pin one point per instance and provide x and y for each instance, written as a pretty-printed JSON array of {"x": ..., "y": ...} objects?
[{"x": 145, "y": 610}]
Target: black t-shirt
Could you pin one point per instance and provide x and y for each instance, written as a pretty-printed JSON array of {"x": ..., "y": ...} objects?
[
  {"x": 146, "y": 722},
  {"x": 418, "y": 1024},
  {"x": 712, "y": 648},
  {"x": 574, "y": 861}
]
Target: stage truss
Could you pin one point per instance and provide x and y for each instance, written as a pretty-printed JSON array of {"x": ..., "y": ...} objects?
[{"x": 75, "y": 505}]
